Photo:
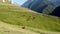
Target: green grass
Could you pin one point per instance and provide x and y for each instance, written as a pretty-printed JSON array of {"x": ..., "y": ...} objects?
[{"x": 20, "y": 16}]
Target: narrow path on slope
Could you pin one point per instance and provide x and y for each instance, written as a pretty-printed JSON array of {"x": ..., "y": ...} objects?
[
  {"x": 12, "y": 29},
  {"x": 42, "y": 31}
]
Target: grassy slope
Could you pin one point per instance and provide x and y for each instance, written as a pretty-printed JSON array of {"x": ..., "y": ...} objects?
[{"x": 13, "y": 14}]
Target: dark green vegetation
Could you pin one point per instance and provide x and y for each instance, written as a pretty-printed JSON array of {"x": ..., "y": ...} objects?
[{"x": 13, "y": 14}]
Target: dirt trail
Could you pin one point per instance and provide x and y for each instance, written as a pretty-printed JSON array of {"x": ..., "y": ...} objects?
[
  {"x": 12, "y": 29},
  {"x": 42, "y": 31}
]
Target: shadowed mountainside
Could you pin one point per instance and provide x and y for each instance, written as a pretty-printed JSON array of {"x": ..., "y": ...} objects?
[
  {"x": 56, "y": 11},
  {"x": 41, "y": 5}
]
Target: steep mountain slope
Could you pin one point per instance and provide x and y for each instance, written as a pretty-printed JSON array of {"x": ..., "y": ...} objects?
[
  {"x": 55, "y": 2},
  {"x": 41, "y": 5},
  {"x": 49, "y": 9},
  {"x": 52, "y": 10},
  {"x": 36, "y": 5},
  {"x": 12, "y": 14},
  {"x": 56, "y": 12},
  {"x": 20, "y": 16}
]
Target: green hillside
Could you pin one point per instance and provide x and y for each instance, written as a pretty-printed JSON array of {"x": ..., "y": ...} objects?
[{"x": 20, "y": 16}]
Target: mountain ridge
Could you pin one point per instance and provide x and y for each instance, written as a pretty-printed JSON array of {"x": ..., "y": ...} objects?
[{"x": 40, "y": 5}]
